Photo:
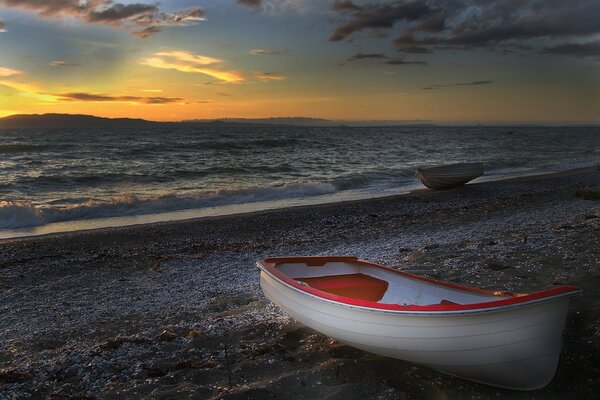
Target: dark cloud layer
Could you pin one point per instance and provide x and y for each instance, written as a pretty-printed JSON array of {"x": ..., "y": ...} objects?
[
  {"x": 146, "y": 18},
  {"x": 473, "y": 83},
  {"x": 118, "y": 12},
  {"x": 362, "y": 56},
  {"x": 404, "y": 62},
  {"x": 580, "y": 50},
  {"x": 381, "y": 56},
  {"x": 427, "y": 26},
  {"x": 105, "y": 97},
  {"x": 377, "y": 16}
]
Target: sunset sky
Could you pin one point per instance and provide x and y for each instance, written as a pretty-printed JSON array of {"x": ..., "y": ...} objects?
[{"x": 442, "y": 61}]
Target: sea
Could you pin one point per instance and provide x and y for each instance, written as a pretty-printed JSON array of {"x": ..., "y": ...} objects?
[{"x": 66, "y": 180}]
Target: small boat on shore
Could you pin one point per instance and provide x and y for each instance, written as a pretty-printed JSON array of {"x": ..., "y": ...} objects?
[
  {"x": 503, "y": 339},
  {"x": 449, "y": 176}
]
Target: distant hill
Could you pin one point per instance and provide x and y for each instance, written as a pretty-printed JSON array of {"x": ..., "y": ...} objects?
[
  {"x": 279, "y": 121},
  {"x": 55, "y": 121},
  {"x": 79, "y": 121}
]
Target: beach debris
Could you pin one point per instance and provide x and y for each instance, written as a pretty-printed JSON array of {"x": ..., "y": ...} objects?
[
  {"x": 167, "y": 336},
  {"x": 224, "y": 344},
  {"x": 194, "y": 333},
  {"x": 115, "y": 343}
]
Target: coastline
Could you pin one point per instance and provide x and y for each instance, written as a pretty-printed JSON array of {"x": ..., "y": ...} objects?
[
  {"x": 188, "y": 215},
  {"x": 148, "y": 309}
]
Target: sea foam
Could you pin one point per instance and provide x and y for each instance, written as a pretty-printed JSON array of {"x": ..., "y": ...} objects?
[{"x": 22, "y": 214}]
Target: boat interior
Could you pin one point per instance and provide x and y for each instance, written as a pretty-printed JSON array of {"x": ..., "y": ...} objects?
[{"x": 367, "y": 282}]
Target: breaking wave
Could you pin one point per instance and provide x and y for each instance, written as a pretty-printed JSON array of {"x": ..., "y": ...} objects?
[{"x": 22, "y": 214}]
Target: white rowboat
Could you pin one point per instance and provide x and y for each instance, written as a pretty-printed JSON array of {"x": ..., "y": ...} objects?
[
  {"x": 498, "y": 338},
  {"x": 449, "y": 176}
]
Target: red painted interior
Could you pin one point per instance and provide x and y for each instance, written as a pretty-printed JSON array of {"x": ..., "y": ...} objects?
[
  {"x": 355, "y": 286},
  {"x": 269, "y": 265}
]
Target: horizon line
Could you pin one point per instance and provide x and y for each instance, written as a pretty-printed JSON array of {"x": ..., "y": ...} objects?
[{"x": 335, "y": 121}]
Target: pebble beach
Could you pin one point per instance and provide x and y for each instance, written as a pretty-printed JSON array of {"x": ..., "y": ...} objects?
[{"x": 174, "y": 309}]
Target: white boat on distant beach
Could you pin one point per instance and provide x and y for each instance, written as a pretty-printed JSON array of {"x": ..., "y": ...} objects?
[
  {"x": 449, "y": 176},
  {"x": 508, "y": 340}
]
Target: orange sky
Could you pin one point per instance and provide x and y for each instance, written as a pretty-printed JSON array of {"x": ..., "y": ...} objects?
[{"x": 290, "y": 58}]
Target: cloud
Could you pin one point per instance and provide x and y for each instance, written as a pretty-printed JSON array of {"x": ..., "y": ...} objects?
[
  {"x": 6, "y": 72},
  {"x": 381, "y": 56},
  {"x": 404, "y": 62},
  {"x": 579, "y": 50},
  {"x": 116, "y": 13},
  {"x": 377, "y": 16},
  {"x": 472, "y": 83},
  {"x": 63, "y": 63},
  {"x": 147, "y": 32},
  {"x": 117, "y": 99},
  {"x": 144, "y": 19},
  {"x": 186, "y": 56},
  {"x": 275, "y": 7},
  {"x": 2, "y": 26},
  {"x": 362, "y": 56},
  {"x": 263, "y": 52},
  {"x": 268, "y": 76},
  {"x": 28, "y": 89},
  {"x": 185, "y": 61},
  {"x": 497, "y": 25},
  {"x": 345, "y": 6},
  {"x": 251, "y": 3}
]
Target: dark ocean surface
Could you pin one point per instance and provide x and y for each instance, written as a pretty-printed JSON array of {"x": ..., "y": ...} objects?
[{"x": 55, "y": 180}]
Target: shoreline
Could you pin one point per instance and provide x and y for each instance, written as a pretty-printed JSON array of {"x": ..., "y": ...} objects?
[
  {"x": 417, "y": 192},
  {"x": 147, "y": 310}
]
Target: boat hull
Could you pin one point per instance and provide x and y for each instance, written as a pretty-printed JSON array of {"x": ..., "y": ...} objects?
[
  {"x": 514, "y": 348},
  {"x": 449, "y": 176}
]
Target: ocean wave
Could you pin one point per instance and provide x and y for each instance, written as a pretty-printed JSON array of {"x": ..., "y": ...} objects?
[
  {"x": 365, "y": 179},
  {"x": 20, "y": 148},
  {"x": 22, "y": 214}
]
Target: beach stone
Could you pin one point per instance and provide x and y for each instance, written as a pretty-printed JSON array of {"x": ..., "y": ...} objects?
[
  {"x": 194, "y": 333},
  {"x": 167, "y": 336}
]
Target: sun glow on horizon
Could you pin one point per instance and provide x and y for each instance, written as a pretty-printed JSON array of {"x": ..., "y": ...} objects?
[{"x": 152, "y": 61}]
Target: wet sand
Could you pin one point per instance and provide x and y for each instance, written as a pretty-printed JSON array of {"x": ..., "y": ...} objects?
[{"x": 174, "y": 310}]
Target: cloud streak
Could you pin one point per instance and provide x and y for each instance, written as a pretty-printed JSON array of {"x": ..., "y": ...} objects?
[
  {"x": 579, "y": 50},
  {"x": 472, "y": 83},
  {"x": 404, "y": 62},
  {"x": 263, "y": 52},
  {"x": 63, "y": 63},
  {"x": 93, "y": 97},
  {"x": 184, "y": 61},
  {"x": 363, "y": 56},
  {"x": 268, "y": 76},
  {"x": 427, "y": 26},
  {"x": 143, "y": 19},
  {"x": 6, "y": 72},
  {"x": 381, "y": 56}
]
